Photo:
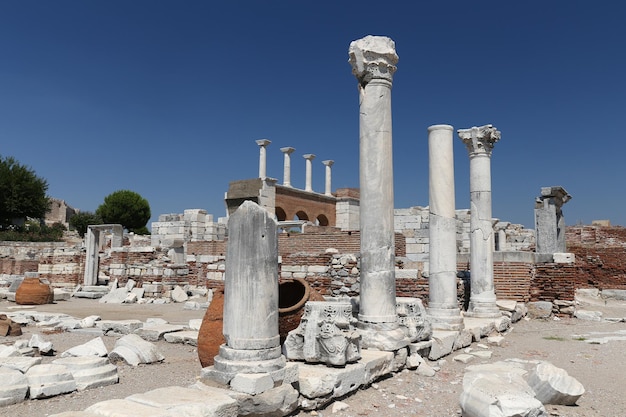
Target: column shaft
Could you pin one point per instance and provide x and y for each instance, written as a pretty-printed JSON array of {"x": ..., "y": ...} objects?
[
  {"x": 309, "y": 174},
  {"x": 443, "y": 307},
  {"x": 287, "y": 151}
]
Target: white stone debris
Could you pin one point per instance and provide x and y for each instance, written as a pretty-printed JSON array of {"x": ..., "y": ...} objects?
[
  {"x": 49, "y": 380},
  {"x": 553, "y": 385},
  {"x": 134, "y": 350},
  {"x": 94, "y": 347},
  {"x": 90, "y": 371},
  {"x": 14, "y": 386}
]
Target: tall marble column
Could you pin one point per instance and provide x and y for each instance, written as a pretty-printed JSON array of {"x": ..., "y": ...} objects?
[
  {"x": 479, "y": 142},
  {"x": 443, "y": 306},
  {"x": 287, "y": 151},
  {"x": 263, "y": 157},
  {"x": 373, "y": 61},
  {"x": 328, "y": 189},
  {"x": 309, "y": 167}
]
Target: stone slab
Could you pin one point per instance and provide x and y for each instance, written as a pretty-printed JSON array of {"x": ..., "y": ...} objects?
[
  {"x": 189, "y": 337},
  {"x": 126, "y": 408},
  {"x": 442, "y": 343},
  {"x": 155, "y": 332},
  {"x": 181, "y": 401}
]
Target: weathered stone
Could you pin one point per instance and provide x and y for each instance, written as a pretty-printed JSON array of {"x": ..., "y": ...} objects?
[
  {"x": 154, "y": 332},
  {"x": 134, "y": 350},
  {"x": 20, "y": 363},
  {"x": 116, "y": 296},
  {"x": 189, "y": 337},
  {"x": 317, "y": 381},
  {"x": 553, "y": 385},
  {"x": 14, "y": 386},
  {"x": 49, "y": 380},
  {"x": 119, "y": 326},
  {"x": 127, "y": 408},
  {"x": 179, "y": 295},
  {"x": 95, "y": 347},
  {"x": 539, "y": 309},
  {"x": 186, "y": 402},
  {"x": 252, "y": 383},
  {"x": 90, "y": 371},
  {"x": 325, "y": 335},
  {"x": 43, "y": 346},
  {"x": 443, "y": 342},
  {"x": 588, "y": 315}
]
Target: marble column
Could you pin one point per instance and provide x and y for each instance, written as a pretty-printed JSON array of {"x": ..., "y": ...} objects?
[
  {"x": 309, "y": 168},
  {"x": 250, "y": 297},
  {"x": 287, "y": 151},
  {"x": 373, "y": 61},
  {"x": 328, "y": 189},
  {"x": 263, "y": 157},
  {"x": 443, "y": 306},
  {"x": 479, "y": 142},
  {"x": 549, "y": 220}
]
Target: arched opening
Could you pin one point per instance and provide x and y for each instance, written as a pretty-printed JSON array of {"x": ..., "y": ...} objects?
[
  {"x": 301, "y": 216},
  {"x": 280, "y": 214},
  {"x": 321, "y": 220}
]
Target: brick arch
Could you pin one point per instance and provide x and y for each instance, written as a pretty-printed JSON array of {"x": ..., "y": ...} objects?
[
  {"x": 281, "y": 215},
  {"x": 322, "y": 220},
  {"x": 302, "y": 215}
]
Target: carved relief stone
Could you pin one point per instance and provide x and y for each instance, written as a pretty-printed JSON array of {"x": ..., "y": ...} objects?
[
  {"x": 413, "y": 319},
  {"x": 325, "y": 335}
]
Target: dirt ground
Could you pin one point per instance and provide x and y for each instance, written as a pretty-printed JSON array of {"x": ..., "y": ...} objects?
[{"x": 601, "y": 368}]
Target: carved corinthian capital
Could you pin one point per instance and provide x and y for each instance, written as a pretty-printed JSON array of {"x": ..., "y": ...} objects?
[
  {"x": 373, "y": 57},
  {"x": 479, "y": 140}
]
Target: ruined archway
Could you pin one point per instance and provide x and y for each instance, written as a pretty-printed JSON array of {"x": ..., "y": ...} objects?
[
  {"x": 321, "y": 220},
  {"x": 281, "y": 216},
  {"x": 301, "y": 215}
]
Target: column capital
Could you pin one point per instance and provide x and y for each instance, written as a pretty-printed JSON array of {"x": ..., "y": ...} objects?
[
  {"x": 373, "y": 57},
  {"x": 555, "y": 195},
  {"x": 328, "y": 163},
  {"x": 287, "y": 150},
  {"x": 263, "y": 142},
  {"x": 479, "y": 140},
  {"x": 309, "y": 156}
]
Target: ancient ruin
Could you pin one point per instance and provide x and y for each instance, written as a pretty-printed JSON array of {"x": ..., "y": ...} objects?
[{"x": 401, "y": 289}]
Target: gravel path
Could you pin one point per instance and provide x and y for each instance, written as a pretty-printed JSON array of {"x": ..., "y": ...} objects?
[{"x": 601, "y": 368}]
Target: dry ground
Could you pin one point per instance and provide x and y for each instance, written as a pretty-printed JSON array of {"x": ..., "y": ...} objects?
[{"x": 600, "y": 368}]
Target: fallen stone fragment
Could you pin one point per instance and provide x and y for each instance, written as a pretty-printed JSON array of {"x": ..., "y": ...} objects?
[
  {"x": 134, "y": 350},
  {"x": 588, "y": 315},
  {"x": 154, "y": 332},
  {"x": 19, "y": 363},
  {"x": 189, "y": 337},
  {"x": 119, "y": 326},
  {"x": 179, "y": 295},
  {"x": 179, "y": 401},
  {"x": 116, "y": 296},
  {"x": 539, "y": 309},
  {"x": 45, "y": 347},
  {"x": 339, "y": 406},
  {"x": 14, "y": 386},
  {"x": 482, "y": 354},
  {"x": 90, "y": 371},
  {"x": 464, "y": 358},
  {"x": 89, "y": 321},
  {"x": 126, "y": 408},
  {"x": 553, "y": 385},
  {"x": 494, "y": 394},
  {"x": 279, "y": 401},
  {"x": 49, "y": 380},
  {"x": 95, "y": 347}
]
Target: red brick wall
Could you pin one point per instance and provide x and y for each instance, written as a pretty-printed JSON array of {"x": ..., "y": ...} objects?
[
  {"x": 292, "y": 201},
  {"x": 553, "y": 282}
]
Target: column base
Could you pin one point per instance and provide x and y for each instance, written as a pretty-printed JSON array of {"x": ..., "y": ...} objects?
[
  {"x": 483, "y": 309},
  {"x": 445, "y": 318},
  {"x": 231, "y": 362},
  {"x": 387, "y": 337}
]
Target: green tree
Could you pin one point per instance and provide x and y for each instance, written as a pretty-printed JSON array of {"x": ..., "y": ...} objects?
[
  {"x": 80, "y": 221},
  {"x": 127, "y": 208},
  {"x": 22, "y": 192}
]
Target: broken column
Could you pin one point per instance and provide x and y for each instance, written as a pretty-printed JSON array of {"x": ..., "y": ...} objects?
[
  {"x": 287, "y": 151},
  {"x": 443, "y": 306},
  {"x": 92, "y": 243},
  {"x": 549, "y": 220},
  {"x": 373, "y": 60},
  {"x": 309, "y": 167},
  {"x": 328, "y": 189},
  {"x": 250, "y": 300},
  {"x": 263, "y": 156},
  {"x": 479, "y": 142}
]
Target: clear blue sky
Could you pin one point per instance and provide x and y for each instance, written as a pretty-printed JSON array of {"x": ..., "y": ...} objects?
[{"x": 166, "y": 98}]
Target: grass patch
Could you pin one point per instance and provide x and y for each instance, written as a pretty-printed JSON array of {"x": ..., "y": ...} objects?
[{"x": 560, "y": 339}]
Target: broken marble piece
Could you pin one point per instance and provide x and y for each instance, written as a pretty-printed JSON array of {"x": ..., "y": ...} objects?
[
  {"x": 413, "y": 319},
  {"x": 134, "y": 350},
  {"x": 553, "y": 385},
  {"x": 325, "y": 335}
]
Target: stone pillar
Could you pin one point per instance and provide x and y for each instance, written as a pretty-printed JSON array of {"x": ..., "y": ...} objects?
[
  {"x": 250, "y": 297},
  {"x": 328, "y": 189},
  {"x": 287, "y": 151},
  {"x": 549, "y": 220},
  {"x": 309, "y": 167},
  {"x": 92, "y": 238},
  {"x": 479, "y": 142},
  {"x": 373, "y": 61},
  {"x": 443, "y": 306},
  {"x": 263, "y": 157}
]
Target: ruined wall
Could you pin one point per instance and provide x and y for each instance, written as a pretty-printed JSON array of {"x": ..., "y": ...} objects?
[{"x": 16, "y": 258}]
